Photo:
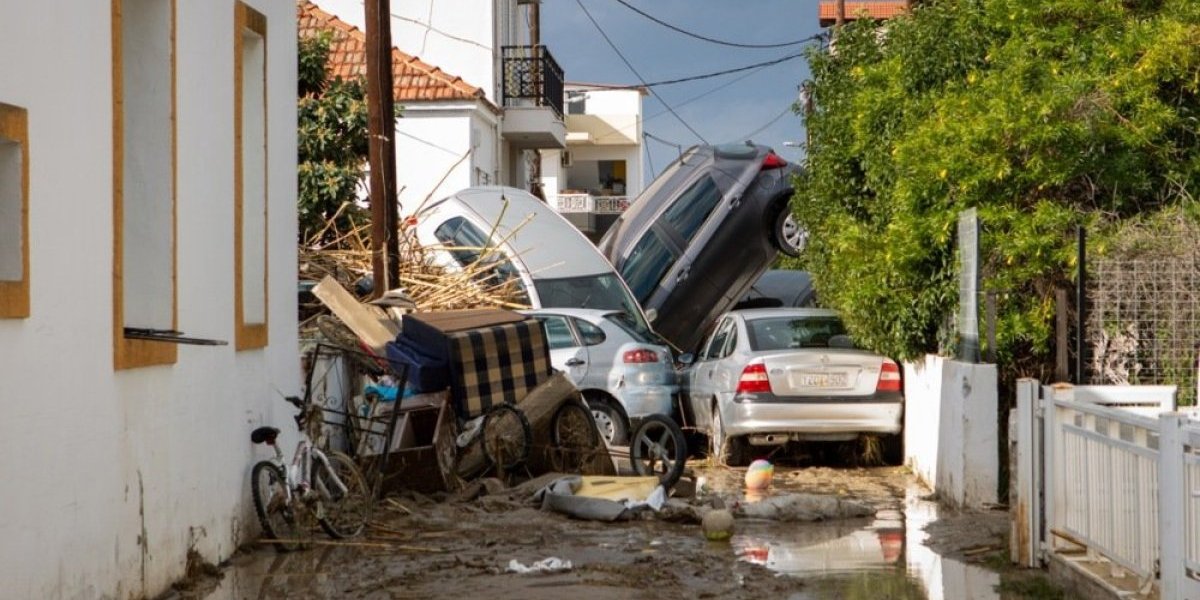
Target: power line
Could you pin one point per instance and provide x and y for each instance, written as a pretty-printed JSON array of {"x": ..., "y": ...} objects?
[
  {"x": 635, "y": 72},
  {"x": 706, "y": 38},
  {"x": 779, "y": 116},
  {"x": 757, "y": 65}
]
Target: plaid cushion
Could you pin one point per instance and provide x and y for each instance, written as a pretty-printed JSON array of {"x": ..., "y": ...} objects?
[{"x": 492, "y": 365}]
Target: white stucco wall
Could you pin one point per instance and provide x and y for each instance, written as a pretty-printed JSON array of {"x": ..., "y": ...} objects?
[
  {"x": 950, "y": 428},
  {"x": 109, "y": 477},
  {"x": 431, "y": 142}
]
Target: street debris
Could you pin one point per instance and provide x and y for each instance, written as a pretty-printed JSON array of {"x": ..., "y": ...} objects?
[{"x": 546, "y": 565}]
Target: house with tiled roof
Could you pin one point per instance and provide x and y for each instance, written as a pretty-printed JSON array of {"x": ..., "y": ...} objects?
[
  {"x": 876, "y": 10},
  {"x": 476, "y": 106}
]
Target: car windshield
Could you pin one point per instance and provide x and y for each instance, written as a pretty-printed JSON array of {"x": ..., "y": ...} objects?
[
  {"x": 602, "y": 291},
  {"x": 781, "y": 333}
]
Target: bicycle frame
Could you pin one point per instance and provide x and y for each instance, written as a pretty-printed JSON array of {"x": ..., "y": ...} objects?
[{"x": 298, "y": 475}]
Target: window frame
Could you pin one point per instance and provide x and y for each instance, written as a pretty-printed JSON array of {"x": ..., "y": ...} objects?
[
  {"x": 129, "y": 353},
  {"x": 575, "y": 341},
  {"x": 248, "y": 336},
  {"x": 14, "y": 295}
]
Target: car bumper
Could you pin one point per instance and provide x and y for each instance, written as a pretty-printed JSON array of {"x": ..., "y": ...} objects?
[
  {"x": 813, "y": 417},
  {"x": 645, "y": 400}
]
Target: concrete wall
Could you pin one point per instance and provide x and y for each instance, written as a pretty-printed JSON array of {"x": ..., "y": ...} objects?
[
  {"x": 109, "y": 477},
  {"x": 951, "y": 430}
]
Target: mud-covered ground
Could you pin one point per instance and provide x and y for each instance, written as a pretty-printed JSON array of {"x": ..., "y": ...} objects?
[{"x": 417, "y": 547}]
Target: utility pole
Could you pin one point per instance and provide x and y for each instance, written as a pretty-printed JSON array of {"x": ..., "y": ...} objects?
[
  {"x": 381, "y": 127},
  {"x": 535, "y": 40},
  {"x": 841, "y": 12}
]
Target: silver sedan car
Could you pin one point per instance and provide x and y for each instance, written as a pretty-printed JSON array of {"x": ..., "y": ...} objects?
[
  {"x": 766, "y": 377},
  {"x": 623, "y": 374}
]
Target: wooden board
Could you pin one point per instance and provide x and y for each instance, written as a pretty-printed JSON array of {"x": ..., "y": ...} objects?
[{"x": 369, "y": 323}]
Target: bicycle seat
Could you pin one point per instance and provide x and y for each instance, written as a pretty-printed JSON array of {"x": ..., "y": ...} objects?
[{"x": 264, "y": 434}]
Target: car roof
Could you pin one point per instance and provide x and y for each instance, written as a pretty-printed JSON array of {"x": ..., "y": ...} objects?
[
  {"x": 785, "y": 312},
  {"x": 588, "y": 314},
  {"x": 549, "y": 246}
]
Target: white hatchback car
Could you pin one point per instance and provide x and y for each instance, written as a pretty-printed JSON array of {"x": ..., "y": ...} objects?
[
  {"x": 766, "y": 377},
  {"x": 624, "y": 375},
  {"x": 557, "y": 267}
]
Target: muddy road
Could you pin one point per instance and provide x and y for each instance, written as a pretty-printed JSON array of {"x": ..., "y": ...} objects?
[{"x": 419, "y": 548}]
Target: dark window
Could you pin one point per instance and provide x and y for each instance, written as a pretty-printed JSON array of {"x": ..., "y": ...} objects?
[
  {"x": 780, "y": 333},
  {"x": 692, "y": 208},
  {"x": 558, "y": 333},
  {"x": 649, "y": 260},
  {"x": 469, "y": 245},
  {"x": 718, "y": 341},
  {"x": 590, "y": 334},
  {"x": 604, "y": 292}
]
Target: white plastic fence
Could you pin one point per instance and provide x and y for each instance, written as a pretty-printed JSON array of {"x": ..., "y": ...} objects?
[
  {"x": 1113, "y": 471},
  {"x": 587, "y": 203}
]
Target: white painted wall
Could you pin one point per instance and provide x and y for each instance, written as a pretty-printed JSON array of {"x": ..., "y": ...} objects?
[
  {"x": 950, "y": 429},
  {"x": 111, "y": 476},
  {"x": 433, "y": 142}
]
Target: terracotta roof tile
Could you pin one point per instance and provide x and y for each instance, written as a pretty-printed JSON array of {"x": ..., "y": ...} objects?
[
  {"x": 413, "y": 79},
  {"x": 880, "y": 9}
]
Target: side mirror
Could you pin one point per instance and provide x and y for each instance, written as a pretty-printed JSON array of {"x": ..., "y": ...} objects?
[
  {"x": 686, "y": 358},
  {"x": 651, "y": 315}
]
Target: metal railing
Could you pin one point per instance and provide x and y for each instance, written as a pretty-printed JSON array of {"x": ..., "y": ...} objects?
[
  {"x": 1114, "y": 471},
  {"x": 587, "y": 203},
  {"x": 532, "y": 74}
]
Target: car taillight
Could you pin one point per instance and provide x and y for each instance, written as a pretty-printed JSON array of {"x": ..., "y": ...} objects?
[
  {"x": 889, "y": 377},
  {"x": 773, "y": 161},
  {"x": 640, "y": 356},
  {"x": 754, "y": 379}
]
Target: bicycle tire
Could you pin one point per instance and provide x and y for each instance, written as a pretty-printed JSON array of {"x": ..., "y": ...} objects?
[
  {"x": 345, "y": 515},
  {"x": 573, "y": 437},
  {"x": 502, "y": 426},
  {"x": 276, "y": 515},
  {"x": 657, "y": 447}
]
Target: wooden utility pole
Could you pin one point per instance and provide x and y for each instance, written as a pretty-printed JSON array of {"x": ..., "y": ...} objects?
[
  {"x": 381, "y": 127},
  {"x": 841, "y": 12},
  {"x": 535, "y": 40}
]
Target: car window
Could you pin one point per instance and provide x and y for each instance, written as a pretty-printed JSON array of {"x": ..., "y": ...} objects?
[
  {"x": 717, "y": 342},
  {"x": 649, "y": 260},
  {"x": 629, "y": 326},
  {"x": 590, "y": 334},
  {"x": 468, "y": 245},
  {"x": 692, "y": 208},
  {"x": 780, "y": 333},
  {"x": 558, "y": 333},
  {"x": 731, "y": 343},
  {"x": 602, "y": 291}
]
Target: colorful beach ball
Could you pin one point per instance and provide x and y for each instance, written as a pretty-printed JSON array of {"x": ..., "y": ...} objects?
[{"x": 759, "y": 474}]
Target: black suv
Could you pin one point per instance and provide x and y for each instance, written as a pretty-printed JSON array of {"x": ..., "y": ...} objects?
[{"x": 692, "y": 244}]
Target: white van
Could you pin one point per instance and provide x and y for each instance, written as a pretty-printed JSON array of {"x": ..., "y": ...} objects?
[{"x": 556, "y": 265}]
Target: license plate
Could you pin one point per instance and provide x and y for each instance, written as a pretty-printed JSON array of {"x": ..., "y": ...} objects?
[{"x": 823, "y": 380}]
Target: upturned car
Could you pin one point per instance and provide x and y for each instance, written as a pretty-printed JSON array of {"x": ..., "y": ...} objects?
[{"x": 695, "y": 241}]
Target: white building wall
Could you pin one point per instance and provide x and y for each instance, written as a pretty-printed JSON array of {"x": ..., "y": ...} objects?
[
  {"x": 110, "y": 477},
  {"x": 430, "y": 145}
]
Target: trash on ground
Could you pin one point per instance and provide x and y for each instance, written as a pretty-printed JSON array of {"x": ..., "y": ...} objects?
[
  {"x": 803, "y": 507},
  {"x": 552, "y": 564},
  {"x": 759, "y": 474},
  {"x": 614, "y": 500}
]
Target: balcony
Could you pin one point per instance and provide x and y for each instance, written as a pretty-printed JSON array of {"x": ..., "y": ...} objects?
[
  {"x": 591, "y": 214},
  {"x": 533, "y": 98}
]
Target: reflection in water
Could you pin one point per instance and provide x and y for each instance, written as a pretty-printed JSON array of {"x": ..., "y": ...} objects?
[
  {"x": 880, "y": 558},
  {"x": 282, "y": 576}
]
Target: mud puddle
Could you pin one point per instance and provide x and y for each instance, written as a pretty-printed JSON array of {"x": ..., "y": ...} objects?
[{"x": 463, "y": 550}]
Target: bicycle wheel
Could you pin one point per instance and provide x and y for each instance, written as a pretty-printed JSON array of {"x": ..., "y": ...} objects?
[
  {"x": 506, "y": 437},
  {"x": 341, "y": 515},
  {"x": 573, "y": 436},
  {"x": 279, "y": 521},
  {"x": 658, "y": 448}
]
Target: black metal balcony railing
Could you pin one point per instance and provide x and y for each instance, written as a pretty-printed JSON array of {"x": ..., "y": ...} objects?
[{"x": 531, "y": 73}]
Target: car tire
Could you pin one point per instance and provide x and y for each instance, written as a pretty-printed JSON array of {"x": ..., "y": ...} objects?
[
  {"x": 610, "y": 421},
  {"x": 723, "y": 450},
  {"x": 787, "y": 235}
]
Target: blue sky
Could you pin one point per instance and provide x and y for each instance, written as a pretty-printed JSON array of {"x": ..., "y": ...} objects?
[{"x": 726, "y": 115}]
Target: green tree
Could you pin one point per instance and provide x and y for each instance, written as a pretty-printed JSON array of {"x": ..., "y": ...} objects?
[
  {"x": 1043, "y": 114},
  {"x": 332, "y": 142}
]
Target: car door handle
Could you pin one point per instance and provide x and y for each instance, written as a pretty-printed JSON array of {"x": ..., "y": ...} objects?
[
  {"x": 683, "y": 275},
  {"x": 575, "y": 362}
]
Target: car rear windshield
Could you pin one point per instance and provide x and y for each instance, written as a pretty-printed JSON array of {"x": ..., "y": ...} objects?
[
  {"x": 626, "y": 323},
  {"x": 602, "y": 291},
  {"x": 781, "y": 333}
]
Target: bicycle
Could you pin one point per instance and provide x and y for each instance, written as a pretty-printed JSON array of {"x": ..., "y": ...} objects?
[{"x": 326, "y": 487}]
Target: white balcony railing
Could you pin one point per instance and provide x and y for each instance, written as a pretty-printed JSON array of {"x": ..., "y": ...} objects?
[{"x": 587, "y": 203}]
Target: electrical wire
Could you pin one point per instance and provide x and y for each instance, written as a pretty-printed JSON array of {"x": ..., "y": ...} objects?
[
  {"x": 706, "y": 38},
  {"x": 779, "y": 116},
  {"x": 635, "y": 72}
]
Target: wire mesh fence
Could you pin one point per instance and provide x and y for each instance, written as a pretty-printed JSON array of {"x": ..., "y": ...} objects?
[{"x": 1143, "y": 320}]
